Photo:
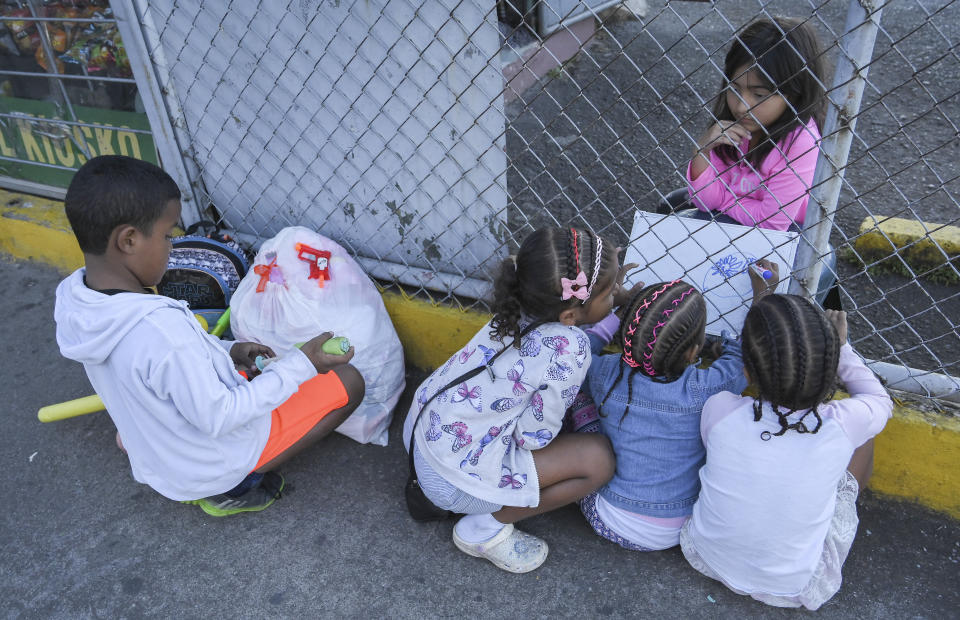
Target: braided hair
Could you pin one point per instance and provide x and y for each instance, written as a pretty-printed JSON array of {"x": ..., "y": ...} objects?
[
  {"x": 791, "y": 352},
  {"x": 529, "y": 285},
  {"x": 660, "y": 325}
]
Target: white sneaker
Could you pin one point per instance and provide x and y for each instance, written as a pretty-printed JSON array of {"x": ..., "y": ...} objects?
[{"x": 511, "y": 550}]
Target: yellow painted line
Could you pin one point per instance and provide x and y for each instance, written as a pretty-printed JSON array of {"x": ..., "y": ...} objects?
[
  {"x": 917, "y": 242},
  {"x": 916, "y": 455}
]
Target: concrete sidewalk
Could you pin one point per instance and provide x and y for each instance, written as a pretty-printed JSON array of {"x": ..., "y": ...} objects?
[{"x": 81, "y": 539}]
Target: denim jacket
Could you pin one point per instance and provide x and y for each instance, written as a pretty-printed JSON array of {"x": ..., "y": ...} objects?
[{"x": 658, "y": 447}]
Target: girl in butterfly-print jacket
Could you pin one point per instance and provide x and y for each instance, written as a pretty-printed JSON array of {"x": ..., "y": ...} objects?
[
  {"x": 488, "y": 447},
  {"x": 479, "y": 435}
]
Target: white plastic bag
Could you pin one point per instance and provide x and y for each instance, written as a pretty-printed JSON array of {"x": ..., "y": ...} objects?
[{"x": 292, "y": 308}]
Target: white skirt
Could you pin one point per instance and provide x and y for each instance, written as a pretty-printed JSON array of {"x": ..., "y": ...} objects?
[{"x": 826, "y": 578}]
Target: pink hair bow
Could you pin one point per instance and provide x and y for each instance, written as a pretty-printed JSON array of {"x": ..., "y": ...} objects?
[{"x": 568, "y": 291}]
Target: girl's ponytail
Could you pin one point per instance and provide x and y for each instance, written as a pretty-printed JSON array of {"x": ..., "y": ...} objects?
[{"x": 507, "y": 308}]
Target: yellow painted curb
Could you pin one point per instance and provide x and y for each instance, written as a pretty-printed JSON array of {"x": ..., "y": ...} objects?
[
  {"x": 921, "y": 244},
  {"x": 36, "y": 228},
  {"x": 431, "y": 333},
  {"x": 916, "y": 455}
]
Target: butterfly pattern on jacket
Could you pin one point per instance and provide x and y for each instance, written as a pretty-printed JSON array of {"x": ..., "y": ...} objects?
[
  {"x": 473, "y": 456},
  {"x": 461, "y": 437},
  {"x": 558, "y": 370},
  {"x": 530, "y": 347},
  {"x": 471, "y": 395},
  {"x": 509, "y": 479},
  {"x": 515, "y": 375},
  {"x": 487, "y": 352},
  {"x": 540, "y": 437},
  {"x": 433, "y": 432},
  {"x": 466, "y": 354},
  {"x": 446, "y": 366},
  {"x": 583, "y": 350},
  {"x": 569, "y": 395},
  {"x": 425, "y": 393},
  {"x": 536, "y": 404},
  {"x": 422, "y": 395},
  {"x": 505, "y": 404}
]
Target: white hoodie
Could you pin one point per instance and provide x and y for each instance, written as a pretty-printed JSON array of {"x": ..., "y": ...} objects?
[{"x": 191, "y": 425}]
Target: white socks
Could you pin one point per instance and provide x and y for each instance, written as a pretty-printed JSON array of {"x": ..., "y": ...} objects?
[{"x": 478, "y": 528}]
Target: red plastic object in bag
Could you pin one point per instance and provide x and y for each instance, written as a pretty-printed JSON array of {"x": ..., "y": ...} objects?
[{"x": 319, "y": 261}]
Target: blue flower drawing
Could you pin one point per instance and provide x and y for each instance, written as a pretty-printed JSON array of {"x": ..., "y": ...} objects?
[
  {"x": 729, "y": 266},
  {"x": 723, "y": 269}
]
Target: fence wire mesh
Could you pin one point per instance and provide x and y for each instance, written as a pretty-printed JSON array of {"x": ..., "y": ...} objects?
[{"x": 429, "y": 138}]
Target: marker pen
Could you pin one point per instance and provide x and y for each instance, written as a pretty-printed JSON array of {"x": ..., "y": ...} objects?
[{"x": 766, "y": 274}]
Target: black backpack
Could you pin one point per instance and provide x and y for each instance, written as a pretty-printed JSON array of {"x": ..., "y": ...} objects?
[{"x": 204, "y": 270}]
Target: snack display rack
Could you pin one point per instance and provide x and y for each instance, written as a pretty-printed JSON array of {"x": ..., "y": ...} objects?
[{"x": 67, "y": 93}]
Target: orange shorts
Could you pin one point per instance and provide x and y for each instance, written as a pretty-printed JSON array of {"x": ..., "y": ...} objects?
[{"x": 298, "y": 414}]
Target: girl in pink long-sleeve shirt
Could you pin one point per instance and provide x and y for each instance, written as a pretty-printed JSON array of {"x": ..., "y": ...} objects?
[{"x": 755, "y": 164}]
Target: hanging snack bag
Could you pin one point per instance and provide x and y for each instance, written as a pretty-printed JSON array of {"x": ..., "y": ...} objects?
[{"x": 303, "y": 284}]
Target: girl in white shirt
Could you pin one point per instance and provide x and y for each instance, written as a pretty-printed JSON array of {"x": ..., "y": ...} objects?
[{"x": 776, "y": 515}]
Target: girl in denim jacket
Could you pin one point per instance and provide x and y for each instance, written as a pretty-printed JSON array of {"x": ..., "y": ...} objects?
[{"x": 652, "y": 396}]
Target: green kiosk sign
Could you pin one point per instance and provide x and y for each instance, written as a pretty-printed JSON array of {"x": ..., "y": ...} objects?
[{"x": 36, "y": 141}]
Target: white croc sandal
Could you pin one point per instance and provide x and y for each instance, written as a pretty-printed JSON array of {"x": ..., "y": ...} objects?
[{"x": 511, "y": 550}]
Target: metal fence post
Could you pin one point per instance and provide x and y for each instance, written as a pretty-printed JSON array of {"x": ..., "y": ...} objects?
[
  {"x": 856, "y": 51},
  {"x": 129, "y": 23}
]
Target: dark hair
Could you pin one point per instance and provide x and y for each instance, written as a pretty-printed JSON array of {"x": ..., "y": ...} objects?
[
  {"x": 791, "y": 352},
  {"x": 529, "y": 285},
  {"x": 789, "y": 59},
  {"x": 112, "y": 190},
  {"x": 659, "y": 326}
]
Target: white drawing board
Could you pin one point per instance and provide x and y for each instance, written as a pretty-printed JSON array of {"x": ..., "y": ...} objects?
[{"x": 712, "y": 257}]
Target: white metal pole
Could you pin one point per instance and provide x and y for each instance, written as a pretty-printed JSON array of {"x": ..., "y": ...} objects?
[
  {"x": 165, "y": 136},
  {"x": 856, "y": 51}
]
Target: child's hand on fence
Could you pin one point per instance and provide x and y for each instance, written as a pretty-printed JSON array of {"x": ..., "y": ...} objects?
[
  {"x": 622, "y": 295},
  {"x": 244, "y": 355},
  {"x": 838, "y": 318},
  {"x": 323, "y": 361},
  {"x": 763, "y": 285}
]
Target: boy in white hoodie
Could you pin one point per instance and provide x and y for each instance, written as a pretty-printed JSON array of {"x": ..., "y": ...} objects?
[{"x": 194, "y": 429}]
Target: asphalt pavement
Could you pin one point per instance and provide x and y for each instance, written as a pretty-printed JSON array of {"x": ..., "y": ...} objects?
[{"x": 81, "y": 539}]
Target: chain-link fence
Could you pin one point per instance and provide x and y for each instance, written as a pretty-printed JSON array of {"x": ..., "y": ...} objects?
[{"x": 428, "y": 137}]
